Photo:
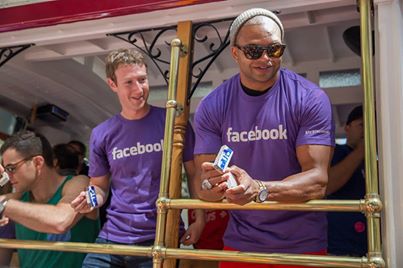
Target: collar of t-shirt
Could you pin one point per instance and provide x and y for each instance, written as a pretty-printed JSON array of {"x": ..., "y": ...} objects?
[{"x": 251, "y": 92}]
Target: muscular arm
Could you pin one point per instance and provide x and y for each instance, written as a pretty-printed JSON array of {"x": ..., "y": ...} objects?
[
  {"x": 46, "y": 218},
  {"x": 310, "y": 183},
  {"x": 341, "y": 173}
]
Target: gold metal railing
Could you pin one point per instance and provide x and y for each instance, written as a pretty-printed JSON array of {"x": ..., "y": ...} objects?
[{"x": 371, "y": 205}]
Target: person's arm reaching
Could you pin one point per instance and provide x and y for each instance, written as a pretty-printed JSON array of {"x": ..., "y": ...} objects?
[
  {"x": 46, "y": 218},
  {"x": 340, "y": 173},
  {"x": 101, "y": 185}
]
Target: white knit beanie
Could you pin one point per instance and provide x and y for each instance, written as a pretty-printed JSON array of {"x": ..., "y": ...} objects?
[{"x": 247, "y": 15}]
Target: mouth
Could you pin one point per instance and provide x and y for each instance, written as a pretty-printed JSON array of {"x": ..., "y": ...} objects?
[{"x": 138, "y": 98}]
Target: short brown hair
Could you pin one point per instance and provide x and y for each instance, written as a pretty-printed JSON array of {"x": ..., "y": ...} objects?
[
  {"x": 122, "y": 56},
  {"x": 29, "y": 144}
]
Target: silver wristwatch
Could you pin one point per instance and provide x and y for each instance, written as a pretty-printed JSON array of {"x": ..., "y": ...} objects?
[
  {"x": 2, "y": 207},
  {"x": 262, "y": 194}
]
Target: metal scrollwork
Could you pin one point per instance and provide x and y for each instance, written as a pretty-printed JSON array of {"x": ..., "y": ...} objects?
[
  {"x": 7, "y": 53},
  {"x": 139, "y": 40},
  {"x": 216, "y": 42},
  {"x": 215, "y": 47}
]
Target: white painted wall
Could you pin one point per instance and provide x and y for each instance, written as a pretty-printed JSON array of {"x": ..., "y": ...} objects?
[{"x": 389, "y": 95}]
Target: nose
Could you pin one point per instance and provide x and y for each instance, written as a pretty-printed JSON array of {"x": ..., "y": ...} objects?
[
  {"x": 265, "y": 55},
  {"x": 137, "y": 87}
]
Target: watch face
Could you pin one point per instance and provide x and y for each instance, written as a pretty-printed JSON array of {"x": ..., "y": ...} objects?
[{"x": 263, "y": 195}]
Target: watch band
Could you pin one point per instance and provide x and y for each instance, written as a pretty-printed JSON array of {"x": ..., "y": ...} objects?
[
  {"x": 2, "y": 207},
  {"x": 262, "y": 190}
]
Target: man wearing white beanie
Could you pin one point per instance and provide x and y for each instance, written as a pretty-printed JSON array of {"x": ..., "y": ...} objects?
[{"x": 280, "y": 128}]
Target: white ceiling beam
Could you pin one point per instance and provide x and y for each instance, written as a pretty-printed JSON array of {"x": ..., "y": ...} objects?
[
  {"x": 93, "y": 29},
  {"x": 328, "y": 44}
]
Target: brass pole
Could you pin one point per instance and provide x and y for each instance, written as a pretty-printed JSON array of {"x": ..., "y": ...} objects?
[
  {"x": 274, "y": 258},
  {"x": 184, "y": 33},
  {"x": 77, "y": 247},
  {"x": 313, "y": 205},
  {"x": 167, "y": 153},
  {"x": 371, "y": 167}
]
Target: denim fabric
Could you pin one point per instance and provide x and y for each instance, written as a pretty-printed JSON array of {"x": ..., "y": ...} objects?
[{"x": 95, "y": 260}]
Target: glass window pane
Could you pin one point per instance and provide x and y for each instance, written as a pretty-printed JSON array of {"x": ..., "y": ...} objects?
[{"x": 345, "y": 78}]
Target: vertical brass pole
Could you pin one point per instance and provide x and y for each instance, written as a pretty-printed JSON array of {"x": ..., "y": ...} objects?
[
  {"x": 371, "y": 168},
  {"x": 184, "y": 33},
  {"x": 167, "y": 153}
]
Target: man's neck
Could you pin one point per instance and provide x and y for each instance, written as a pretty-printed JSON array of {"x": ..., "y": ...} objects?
[
  {"x": 47, "y": 183},
  {"x": 136, "y": 115}
]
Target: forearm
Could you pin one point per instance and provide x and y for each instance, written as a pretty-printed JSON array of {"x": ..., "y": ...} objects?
[
  {"x": 102, "y": 192},
  {"x": 41, "y": 217},
  {"x": 299, "y": 187},
  {"x": 340, "y": 173}
]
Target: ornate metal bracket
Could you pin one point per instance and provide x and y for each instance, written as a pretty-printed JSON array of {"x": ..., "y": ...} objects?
[
  {"x": 7, "y": 53},
  {"x": 139, "y": 40},
  {"x": 214, "y": 49}
]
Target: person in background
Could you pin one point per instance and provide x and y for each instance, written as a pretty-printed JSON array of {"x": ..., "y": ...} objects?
[
  {"x": 66, "y": 159},
  {"x": 40, "y": 204},
  {"x": 280, "y": 127},
  {"x": 81, "y": 150},
  {"x": 347, "y": 230},
  {"x": 126, "y": 156}
]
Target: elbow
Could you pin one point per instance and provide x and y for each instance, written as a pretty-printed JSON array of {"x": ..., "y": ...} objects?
[
  {"x": 62, "y": 226},
  {"x": 321, "y": 186},
  {"x": 318, "y": 189}
]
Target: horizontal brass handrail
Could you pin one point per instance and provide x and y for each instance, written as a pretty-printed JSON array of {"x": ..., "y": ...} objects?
[
  {"x": 78, "y": 247},
  {"x": 313, "y": 205},
  {"x": 170, "y": 253},
  {"x": 273, "y": 258}
]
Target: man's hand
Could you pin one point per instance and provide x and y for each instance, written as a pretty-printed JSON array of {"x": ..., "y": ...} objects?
[
  {"x": 217, "y": 180},
  {"x": 245, "y": 191},
  {"x": 80, "y": 205},
  {"x": 193, "y": 233},
  {"x": 4, "y": 221}
]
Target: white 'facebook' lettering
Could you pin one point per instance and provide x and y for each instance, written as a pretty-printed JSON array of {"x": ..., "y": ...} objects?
[
  {"x": 136, "y": 150},
  {"x": 256, "y": 134}
]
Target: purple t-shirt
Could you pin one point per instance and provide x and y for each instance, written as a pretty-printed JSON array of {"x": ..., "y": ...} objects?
[
  {"x": 8, "y": 231},
  {"x": 131, "y": 151},
  {"x": 264, "y": 132}
]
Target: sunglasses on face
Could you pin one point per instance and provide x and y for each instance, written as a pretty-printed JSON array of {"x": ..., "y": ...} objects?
[{"x": 254, "y": 52}]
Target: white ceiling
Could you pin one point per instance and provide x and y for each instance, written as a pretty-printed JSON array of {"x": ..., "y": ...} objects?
[{"x": 66, "y": 65}]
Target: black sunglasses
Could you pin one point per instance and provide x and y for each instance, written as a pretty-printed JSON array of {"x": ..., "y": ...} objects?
[{"x": 254, "y": 52}]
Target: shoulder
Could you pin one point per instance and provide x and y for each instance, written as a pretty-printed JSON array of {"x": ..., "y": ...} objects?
[
  {"x": 218, "y": 99},
  {"x": 299, "y": 85},
  {"x": 223, "y": 90},
  {"x": 107, "y": 124},
  {"x": 157, "y": 111},
  {"x": 79, "y": 182}
]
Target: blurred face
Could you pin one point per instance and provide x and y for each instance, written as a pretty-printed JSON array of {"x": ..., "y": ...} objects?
[
  {"x": 260, "y": 73},
  {"x": 354, "y": 132},
  {"x": 132, "y": 89},
  {"x": 22, "y": 171}
]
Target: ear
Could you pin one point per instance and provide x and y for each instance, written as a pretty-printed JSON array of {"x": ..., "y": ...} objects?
[
  {"x": 234, "y": 53},
  {"x": 112, "y": 85}
]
